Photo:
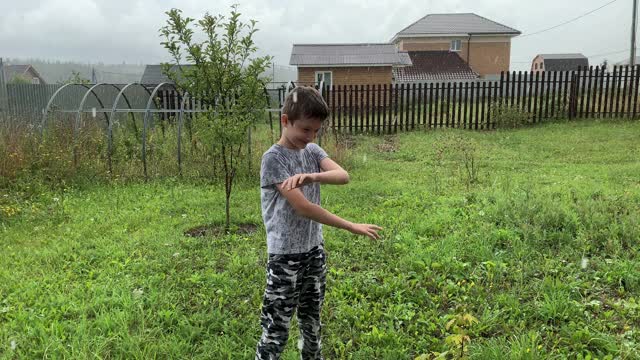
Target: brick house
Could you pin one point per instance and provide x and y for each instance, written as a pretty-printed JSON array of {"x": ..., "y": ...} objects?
[
  {"x": 483, "y": 44},
  {"x": 25, "y": 73},
  {"x": 559, "y": 62},
  {"x": 347, "y": 64}
]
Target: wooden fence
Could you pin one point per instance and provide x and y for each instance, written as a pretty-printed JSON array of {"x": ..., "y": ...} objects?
[{"x": 540, "y": 96}]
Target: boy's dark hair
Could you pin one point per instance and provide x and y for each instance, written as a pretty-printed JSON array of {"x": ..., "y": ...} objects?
[{"x": 305, "y": 102}]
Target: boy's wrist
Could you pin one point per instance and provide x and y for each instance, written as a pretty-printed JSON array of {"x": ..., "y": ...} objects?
[{"x": 349, "y": 226}]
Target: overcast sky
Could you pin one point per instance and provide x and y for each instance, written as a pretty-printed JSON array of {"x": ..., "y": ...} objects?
[{"x": 116, "y": 31}]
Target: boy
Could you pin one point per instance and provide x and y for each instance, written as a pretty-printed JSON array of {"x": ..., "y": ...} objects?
[{"x": 290, "y": 177}]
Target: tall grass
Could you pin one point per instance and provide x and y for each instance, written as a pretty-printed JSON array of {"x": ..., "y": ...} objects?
[{"x": 532, "y": 257}]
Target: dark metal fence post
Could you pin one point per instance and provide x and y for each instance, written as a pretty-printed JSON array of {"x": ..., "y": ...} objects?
[{"x": 4, "y": 97}]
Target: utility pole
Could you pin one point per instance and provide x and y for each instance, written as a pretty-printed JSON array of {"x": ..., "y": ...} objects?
[
  {"x": 4, "y": 98},
  {"x": 634, "y": 17}
]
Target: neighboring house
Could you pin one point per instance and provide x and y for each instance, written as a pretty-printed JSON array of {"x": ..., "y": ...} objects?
[
  {"x": 482, "y": 43},
  {"x": 559, "y": 62},
  {"x": 441, "y": 65},
  {"x": 347, "y": 64},
  {"x": 26, "y": 73},
  {"x": 153, "y": 75}
]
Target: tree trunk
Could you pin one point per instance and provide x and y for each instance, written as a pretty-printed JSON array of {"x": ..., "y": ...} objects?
[
  {"x": 227, "y": 224},
  {"x": 227, "y": 187}
]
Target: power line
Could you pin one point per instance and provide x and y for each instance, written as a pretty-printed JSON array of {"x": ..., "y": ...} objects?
[
  {"x": 609, "y": 53},
  {"x": 569, "y": 21}
]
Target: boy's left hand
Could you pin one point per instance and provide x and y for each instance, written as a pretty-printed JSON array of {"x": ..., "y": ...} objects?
[{"x": 298, "y": 180}]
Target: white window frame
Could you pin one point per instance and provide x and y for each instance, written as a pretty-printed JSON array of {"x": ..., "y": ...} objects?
[
  {"x": 317, "y": 82},
  {"x": 35, "y": 81},
  {"x": 452, "y": 46}
]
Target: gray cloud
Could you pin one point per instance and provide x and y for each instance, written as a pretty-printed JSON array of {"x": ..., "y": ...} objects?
[{"x": 117, "y": 30}]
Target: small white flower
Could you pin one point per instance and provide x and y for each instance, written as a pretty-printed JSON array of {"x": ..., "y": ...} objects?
[
  {"x": 138, "y": 292},
  {"x": 176, "y": 254},
  {"x": 14, "y": 345},
  {"x": 184, "y": 216},
  {"x": 584, "y": 263},
  {"x": 481, "y": 213},
  {"x": 55, "y": 199}
]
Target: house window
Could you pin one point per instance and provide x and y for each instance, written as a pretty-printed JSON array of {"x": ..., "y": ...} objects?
[
  {"x": 35, "y": 81},
  {"x": 535, "y": 66},
  {"x": 541, "y": 66},
  {"x": 327, "y": 76},
  {"x": 456, "y": 45}
]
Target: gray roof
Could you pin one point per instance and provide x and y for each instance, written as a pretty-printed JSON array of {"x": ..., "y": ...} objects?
[
  {"x": 563, "y": 62},
  {"x": 347, "y": 55},
  {"x": 469, "y": 23},
  {"x": 11, "y": 71},
  {"x": 562, "y": 56},
  {"x": 153, "y": 75}
]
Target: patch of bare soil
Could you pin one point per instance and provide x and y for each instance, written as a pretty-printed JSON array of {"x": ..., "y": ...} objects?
[{"x": 218, "y": 229}]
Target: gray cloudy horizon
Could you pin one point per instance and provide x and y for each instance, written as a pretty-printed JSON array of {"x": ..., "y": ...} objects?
[{"x": 117, "y": 31}]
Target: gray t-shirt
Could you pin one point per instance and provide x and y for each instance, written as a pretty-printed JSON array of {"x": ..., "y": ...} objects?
[{"x": 288, "y": 232}]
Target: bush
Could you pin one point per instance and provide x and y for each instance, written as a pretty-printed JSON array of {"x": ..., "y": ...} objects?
[{"x": 509, "y": 117}]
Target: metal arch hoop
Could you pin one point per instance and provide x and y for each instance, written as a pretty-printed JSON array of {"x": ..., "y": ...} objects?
[
  {"x": 113, "y": 111},
  {"x": 268, "y": 103},
  {"x": 145, "y": 123},
  {"x": 77, "y": 122},
  {"x": 290, "y": 85},
  {"x": 55, "y": 94},
  {"x": 180, "y": 120}
]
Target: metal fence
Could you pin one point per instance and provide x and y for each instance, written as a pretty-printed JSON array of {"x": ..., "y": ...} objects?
[
  {"x": 589, "y": 92},
  {"x": 112, "y": 107},
  {"x": 539, "y": 96}
]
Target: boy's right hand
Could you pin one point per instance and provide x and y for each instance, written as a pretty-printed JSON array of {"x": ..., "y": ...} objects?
[{"x": 369, "y": 230}]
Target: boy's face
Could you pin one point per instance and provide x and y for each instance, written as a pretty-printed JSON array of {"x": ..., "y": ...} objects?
[{"x": 301, "y": 132}]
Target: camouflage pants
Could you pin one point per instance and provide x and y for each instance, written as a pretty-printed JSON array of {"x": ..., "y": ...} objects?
[{"x": 294, "y": 281}]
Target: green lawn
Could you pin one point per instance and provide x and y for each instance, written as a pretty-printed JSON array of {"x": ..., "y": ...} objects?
[{"x": 538, "y": 244}]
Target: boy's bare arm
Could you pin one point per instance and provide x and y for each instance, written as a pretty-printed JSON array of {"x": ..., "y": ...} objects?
[
  {"x": 332, "y": 173},
  {"x": 305, "y": 208}
]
